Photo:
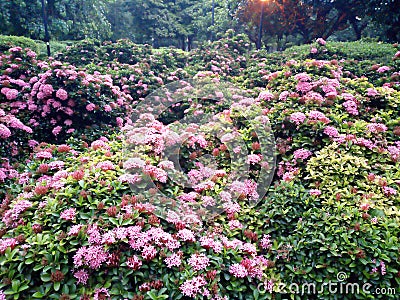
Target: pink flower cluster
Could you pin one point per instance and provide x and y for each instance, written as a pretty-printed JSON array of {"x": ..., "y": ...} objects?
[
  {"x": 315, "y": 115},
  {"x": 266, "y": 242},
  {"x": 315, "y": 192},
  {"x": 376, "y": 127},
  {"x": 68, "y": 214},
  {"x": 198, "y": 261},
  {"x": 297, "y": 118},
  {"x": 7, "y": 243},
  {"x": 321, "y": 41},
  {"x": 12, "y": 215},
  {"x": 302, "y": 154},
  {"x": 91, "y": 256},
  {"x": 62, "y": 94},
  {"x": 82, "y": 276},
  {"x": 105, "y": 165},
  {"x": 238, "y": 271},
  {"x": 266, "y": 96},
  {"x": 173, "y": 261},
  {"x": 331, "y": 131},
  {"x": 351, "y": 107},
  {"x": 192, "y": 287},
  {"x": 383, "y": 69}
]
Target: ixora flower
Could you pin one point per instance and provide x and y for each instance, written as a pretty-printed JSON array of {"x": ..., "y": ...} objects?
[
  {"x": 238, "y": 271},
  {"x": 62, "y": 94},
  {"x": 4, "y": 132},
  {"x": 321, "y": 41},
  {"x": 105, "y": 166},
  {"x": 198, "y": 262},
  {"x": 101, "y": 294},
  {"x": 82, "y": 276},
  {"x": 315, "y": 192},
  {"x": 68, "y": 214},
  {"x": 173, "y": 261},
  {"x": 193, "y": 286},
  {"x": 297, "y": 117}
]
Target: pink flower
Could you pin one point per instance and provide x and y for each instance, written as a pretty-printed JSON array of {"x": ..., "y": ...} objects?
[
  {"x": 11, "y": 94},
  {"x": 383, "y": 69},
  {"x": 351, "y": 107},
  {"x": 374, "y": 220},
  {"x": 266, "y": 95},
  {"x": 7, "y": 243},
  {"x": 198, "y": 261},
  {"x": 44, "y": 155},
  {"x": 318, "y": 116},
  {"x": 297, "y": 117},
  {"x": 364, "y": 206},
  {"x": 192, "y": 287},
  {"x": 314, "y": 50},
  {"x": 105, "y": 165},
  {"x": 321, "y": 41},
  {"x": 234, "y": 224},
  {"x": 47, "y": 89},
  {"x": 107, "y": 108},
  {"x": 130, "y": 178},
  {"x": 302, "y": 77},
  {"x": 120, "y": 122},
  {"x": 315, "y": 192},
  {"x": 186, "y": 235},
  {"x": 173, "y": 261},
  {"x": 4, "y": 132},
  {"x": 68, "y": 214},
  {"x": 372, "y": 92},
  {"x": 388, "y": 191},
  {"x": 82, "y": 276},
  {"x": 62, "y": 94},
  {"x": 74, "y": 230},
  {"x": 90, "y": 107},
  {"x": 31, "y": 54},
  {"x": 376, "y": 127},
  {"x": 101, "y": 294},
  {"x": 265, "y": 242},
  {"x": 331, "y": 131},
  {"x": 302, "y": 154},
  {"x": 304, "y": 86},
  {"x": 253, "y": 159},
  {"x": 56, "y": 130},
  {"x": 134, "y": 262},
  {"x": 92, "y": 256},
  {"x": 149, "y": 252},
  {"x": 383, "y": 267},
  {"x": 238, "y": 270}
]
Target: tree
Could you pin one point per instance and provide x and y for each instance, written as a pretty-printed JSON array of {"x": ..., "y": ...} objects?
[{"x": 68, "y": 19}]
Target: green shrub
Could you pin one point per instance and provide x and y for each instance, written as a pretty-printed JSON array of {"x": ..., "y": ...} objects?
[{"x": 7, "y": 42}]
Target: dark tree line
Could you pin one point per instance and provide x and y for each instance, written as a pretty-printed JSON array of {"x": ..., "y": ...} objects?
[{"x": 182, "y": 23}]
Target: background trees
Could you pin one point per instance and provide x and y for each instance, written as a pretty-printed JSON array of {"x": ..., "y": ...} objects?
[{"x": 183, "y": 23}]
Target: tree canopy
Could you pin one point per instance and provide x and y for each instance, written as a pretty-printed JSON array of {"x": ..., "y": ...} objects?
[{"x": 182, "y": 23}]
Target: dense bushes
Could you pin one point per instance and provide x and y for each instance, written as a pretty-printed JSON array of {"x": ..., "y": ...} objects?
[
  {"x": 72, "y": 227},
  {"x": 57, "y": 99},
  {"x": 7, "y": 42}
]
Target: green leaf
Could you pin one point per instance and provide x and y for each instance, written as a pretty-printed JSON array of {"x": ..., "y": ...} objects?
[
  {"x": 38, "y": 295},
  {"x": 45, "y": 277},
  {"x": 57, "y": 286}
]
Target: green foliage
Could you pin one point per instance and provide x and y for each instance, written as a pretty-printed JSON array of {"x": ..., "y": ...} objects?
[
  {"x": 7, "y": 42},
  {"x": 336, "y": 210}
]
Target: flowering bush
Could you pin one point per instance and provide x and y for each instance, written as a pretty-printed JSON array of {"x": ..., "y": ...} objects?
[
  {"x": 71, "y": 227},
  {"x": 56, "y": 99}
]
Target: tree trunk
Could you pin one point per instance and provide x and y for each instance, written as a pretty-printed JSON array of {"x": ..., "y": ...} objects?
[{"x": 342, "y": 17}]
